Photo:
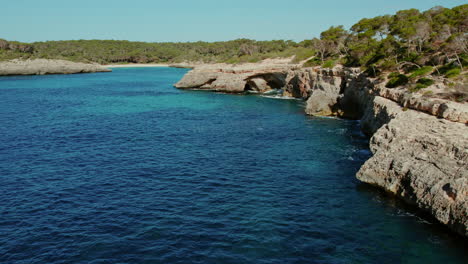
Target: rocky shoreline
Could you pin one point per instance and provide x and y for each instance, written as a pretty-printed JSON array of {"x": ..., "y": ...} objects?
[
  {"x": 44, "y": 66},
  {"x": 419, "y": 144}
]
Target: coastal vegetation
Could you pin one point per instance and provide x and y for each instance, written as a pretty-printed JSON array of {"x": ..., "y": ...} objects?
[
  {"x": 414, "y": 45},
  {"x": 121, "y": 51}
]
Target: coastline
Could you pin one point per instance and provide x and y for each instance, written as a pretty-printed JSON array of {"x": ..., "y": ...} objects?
[
  {"x": 135, "y": 65},
  {"x": 46, "y": 66},
  {"x": 418, "y": 143}
]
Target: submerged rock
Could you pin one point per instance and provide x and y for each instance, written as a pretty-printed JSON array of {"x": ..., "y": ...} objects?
[{"x": 43, "y": 66}]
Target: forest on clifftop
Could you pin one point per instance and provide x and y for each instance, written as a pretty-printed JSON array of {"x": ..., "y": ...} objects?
[{"x": 433, "y": 40}]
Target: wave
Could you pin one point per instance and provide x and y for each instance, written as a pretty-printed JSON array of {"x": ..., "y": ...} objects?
[{"x": 279, "y": 97}]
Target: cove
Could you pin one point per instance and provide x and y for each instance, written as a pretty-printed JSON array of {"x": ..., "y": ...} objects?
[{"x": 123, "y": 168}]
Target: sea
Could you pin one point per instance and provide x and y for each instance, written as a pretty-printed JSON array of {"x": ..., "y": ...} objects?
[{"x": 122, "y": 167}]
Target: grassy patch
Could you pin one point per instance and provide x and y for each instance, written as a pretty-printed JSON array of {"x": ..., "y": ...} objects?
[
  {"x": 396, "y": 81},
  {"x": 329, "y": 64},
  {"x": 449, "y": 70},
  {"x": 302, "y": 54},
  {"x": 388, "y": 65},
  {"x": 393, "y": 75},
  {"x": 6, "y": 55},
  {"x": 423, "y": 71},
  {"x": 421, "y": 84},
  {"x": 312, "y": 62},
  {"x": 453, "y": 73},
  {"x": 425, "y": 82}
]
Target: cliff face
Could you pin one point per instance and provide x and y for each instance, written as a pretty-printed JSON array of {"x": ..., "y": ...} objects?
[
  {"x": 420, "y": 158},
  {"x": 338, "y": 91},
  {"x": 420, "y": 145},
  {"x": 237, "y": 79},
  {"x": 42, "y": 66}
]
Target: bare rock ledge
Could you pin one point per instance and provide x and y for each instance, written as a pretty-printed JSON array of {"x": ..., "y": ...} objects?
[
  {"x": 419, "y": 144},
  {"x": 43, "y": 66}
]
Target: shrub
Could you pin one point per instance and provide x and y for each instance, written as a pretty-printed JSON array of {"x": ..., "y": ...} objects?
[
  {"x": 464, "y": 59},
  {"x": 399, "y": 80},
  {"x": 388, "y": 65},
  {"x": 393, "y": 75},
  {"x": 423, "y": 71},
  {"x": 426, "y": 82},
  {"x": 453, "y": 73},
  {"x": 421, "y": 84},
  {"x": 328, "y": 64},
  {"x": 443, "y": 70},
  {"x": 412, "y": 57},
  {"x": 372, "y": 71},
  {"x": 312, "y": 62}
]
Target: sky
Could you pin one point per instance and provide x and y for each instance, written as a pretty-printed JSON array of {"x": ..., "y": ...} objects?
[{"x": 189, "y": 20}]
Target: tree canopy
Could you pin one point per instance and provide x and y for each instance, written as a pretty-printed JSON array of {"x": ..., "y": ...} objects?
[{"x": 434, "y": 37}]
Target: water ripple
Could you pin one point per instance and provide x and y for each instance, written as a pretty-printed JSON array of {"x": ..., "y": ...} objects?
[{"x": 123, "y": 168}]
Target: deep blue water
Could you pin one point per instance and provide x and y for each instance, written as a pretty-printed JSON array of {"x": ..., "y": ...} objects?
[{"x": 123, "y": 168}]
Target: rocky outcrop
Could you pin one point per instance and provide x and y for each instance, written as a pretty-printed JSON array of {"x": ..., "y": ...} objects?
[
  {"x": 445, "y": 109},
  {"x": 420, "y": 158},
  {"x": 420, "y": 144},
  {"x": 16, "y": 46},
  {"x": 321, "y": 88},
  {"x": 338, "y": 91},
  {"x": 43, "y": 66},
  {"x": 237, "y": 78}
]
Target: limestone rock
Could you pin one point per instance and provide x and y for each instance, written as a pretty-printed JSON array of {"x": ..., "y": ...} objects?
[
  {"x": 200, "y": 79},
  {"x": 423, "y": 160},
  {"x": 325, "y": 92},
  {"x": 378, "y": 113},
  {"x": 237, "y": 78},
  {"x": 453, "y": 111},
  {"x": 43, "y": 66},
  {"x": 258, "y": 84}
]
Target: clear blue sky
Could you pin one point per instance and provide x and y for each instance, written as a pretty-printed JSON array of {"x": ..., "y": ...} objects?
[{"x": 189, "y": 20}]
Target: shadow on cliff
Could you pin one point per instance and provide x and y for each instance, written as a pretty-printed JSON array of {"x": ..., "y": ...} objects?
[{"x": 390, "y": 201}]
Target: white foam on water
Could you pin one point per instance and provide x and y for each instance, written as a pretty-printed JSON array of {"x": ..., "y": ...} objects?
[{"x": 279, "y": 97}]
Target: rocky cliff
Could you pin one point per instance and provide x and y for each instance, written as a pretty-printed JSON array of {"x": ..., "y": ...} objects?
[
  {"x": 420, "y": 144},
  {"x": 252, "y": 77},
  {"x": 420, "y": 158},
  {"x": 43, "y": 66}
]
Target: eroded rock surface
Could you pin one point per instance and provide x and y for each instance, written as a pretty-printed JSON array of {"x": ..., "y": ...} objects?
[
  {"x": 237, "y": 78},
  {"x": 43, "y": 66},
  {"x": 422, "y": 159}
]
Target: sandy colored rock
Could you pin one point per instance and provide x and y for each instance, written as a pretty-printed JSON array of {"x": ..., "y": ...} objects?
[
  {"x": 43, "y": 66},
  {"x": 453, "y": 111},
  {"x": 423, "y": 160},
  {"x": 270, "y": 74}
]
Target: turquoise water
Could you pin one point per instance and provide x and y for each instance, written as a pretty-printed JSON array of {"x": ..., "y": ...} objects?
[{"x": 123, "y": 168}]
